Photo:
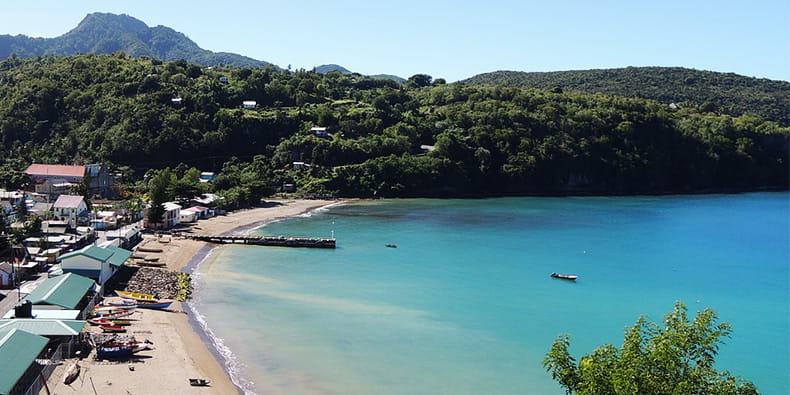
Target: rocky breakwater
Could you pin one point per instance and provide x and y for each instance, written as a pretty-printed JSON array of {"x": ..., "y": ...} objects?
[{"x": 163, "y": 284}]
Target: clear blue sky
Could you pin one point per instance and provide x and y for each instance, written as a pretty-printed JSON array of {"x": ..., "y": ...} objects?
[{"x": 458, "y": 39}]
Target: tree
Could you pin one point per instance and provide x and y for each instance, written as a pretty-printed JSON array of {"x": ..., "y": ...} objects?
[
  {"x": 158, "y": 193},
  {"x": 675, "y": 359}
]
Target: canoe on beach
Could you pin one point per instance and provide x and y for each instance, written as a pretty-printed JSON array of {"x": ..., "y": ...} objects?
[
  {"x": 150, "y": 263},
  {"x": 149, "y": 249},
  {"x": 136, "y": 296},
  {"x": 154, "y": 305},
  {"x": 198, "y": 382}
]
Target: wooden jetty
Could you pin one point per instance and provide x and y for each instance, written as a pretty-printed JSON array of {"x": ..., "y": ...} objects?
[{"x": 273, "y": 241}]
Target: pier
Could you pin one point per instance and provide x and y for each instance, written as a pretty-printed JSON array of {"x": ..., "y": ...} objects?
[{"x": 273, "y": 241}]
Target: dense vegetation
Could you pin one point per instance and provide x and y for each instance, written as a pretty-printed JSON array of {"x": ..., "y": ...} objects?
[
  {"x": 487, "y": 140},
  {"x": 677, "y": 358},
  {"x": 104, "y": 33},
  {"x": 725, "y": 93}
]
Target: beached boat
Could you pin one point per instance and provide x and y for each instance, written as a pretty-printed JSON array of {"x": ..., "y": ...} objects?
[
  {"x": 111, "y": 315},
  {"x": 564, "y": 276},
  {"x": 112, "y": 328},
  {"x": 150, "y": 263},
  {"x": 108, "y": 321},
  {"x": 149, "y": 249},
  {"x": 71, "y": 373},
  {"x": 198, "y": 382},
  {"x": 136, "y": 296},
  {"x": 151, "y": 259},
  {"x": 154, "y": 305},
  {"x": 114, "y": 352},
  {"x": 123, "y": 302}
]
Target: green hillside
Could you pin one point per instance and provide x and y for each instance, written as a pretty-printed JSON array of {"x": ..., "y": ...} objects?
[
  {"x": 726, "y": 93},
  {"x": 485, "y": 140},
  {"x": 104, "y": 33}
]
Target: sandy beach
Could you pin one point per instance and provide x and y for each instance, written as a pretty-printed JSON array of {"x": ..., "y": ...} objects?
[{"x": 179, "y": 351}]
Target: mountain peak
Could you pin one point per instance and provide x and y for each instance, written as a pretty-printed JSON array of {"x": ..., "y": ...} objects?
[{"x": 114, "y": 24}]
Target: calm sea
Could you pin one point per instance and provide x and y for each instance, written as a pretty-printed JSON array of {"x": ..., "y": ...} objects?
[{"x": 465, "y": 304}]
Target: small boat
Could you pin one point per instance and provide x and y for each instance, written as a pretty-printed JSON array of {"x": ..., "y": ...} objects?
[
  {"x": 123, "y": 302},
  {"x": 107, "y": 321},
  {"x": 198, "y": 382},
  {"x": 391, "y": 245},
  {"x": 135, "y": 296},
  {"x": 111, "y": 315},
  {"x": 111, "y": 309},
  {"x": 114, "y": 352},
  {"x": 112, "y": 328},
  {"x": 154, "y": 305},
  {"x": 564, "y": 276},
  {"x": 150, "y": 263},
  {"x": 149, "y": 249},
  {"x": 71, "y": 373}
]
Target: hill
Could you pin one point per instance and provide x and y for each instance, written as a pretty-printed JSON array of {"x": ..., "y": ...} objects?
[
  {"x": 487, "y": 140},
  {"x": 726, "y": 93},
  {"x": 325, "y": 68},
  {"x": 105, "y": 33}
]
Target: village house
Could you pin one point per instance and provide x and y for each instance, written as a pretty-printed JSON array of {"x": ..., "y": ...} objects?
[
  {"x": 98, "y": 263},
  {"x": 170, "y": 218},
  {"x": 20, "y": 352},
  {"x": 67, "y": 292},
  {"x": 101, "y": 182},
  {"x": 71, "y": 209},
  {"x": 6, "y": 275},
  {"x": 320, "y": 131},
  {"x": 206, "y": 176},
  {"x": 249, "y": 104}
]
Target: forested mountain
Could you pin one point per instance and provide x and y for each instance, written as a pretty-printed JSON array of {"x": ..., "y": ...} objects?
[
  {"x": 325, "y": 68},
  {"x": 104, "y": 33},
  {"x": 726, "y": 93},
  {"x": 487, "y": 140}
]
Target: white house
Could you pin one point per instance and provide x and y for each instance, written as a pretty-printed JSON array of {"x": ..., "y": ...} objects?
[
  {"x": 249, "y": 104},
  {"x": 170, "y": 218},
  {"x": 68, "y": 208},
  {"x": 319, "y": 131},
  {"x": 187, "y": 216},
  {"x": 98, "y": 263}
]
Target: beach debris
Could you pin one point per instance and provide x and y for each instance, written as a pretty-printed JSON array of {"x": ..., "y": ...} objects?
[{"x": 71, "y": 373}]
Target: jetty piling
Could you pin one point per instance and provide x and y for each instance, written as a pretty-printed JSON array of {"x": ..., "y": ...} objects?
[{"x": 272, "y": 241}]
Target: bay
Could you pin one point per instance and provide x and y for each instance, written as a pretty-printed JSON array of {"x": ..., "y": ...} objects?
[{"x": 465, "y": 304}]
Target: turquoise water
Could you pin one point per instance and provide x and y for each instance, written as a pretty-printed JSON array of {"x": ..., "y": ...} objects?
[{"x": 465, "y": 304}]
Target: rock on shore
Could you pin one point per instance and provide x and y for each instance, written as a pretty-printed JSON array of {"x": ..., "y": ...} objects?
[{"x": 163, "y": 284}]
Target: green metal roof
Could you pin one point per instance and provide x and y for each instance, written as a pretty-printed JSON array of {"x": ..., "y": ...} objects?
[
  {"x": 97, "y": 253},
  {"x": 65, "y": 291},
  {"x": 119, "y": 255},
  {"x": 115, "y": 255},
  {"x": 44, "y": 327},
  {"x": 18, "y": 349}
]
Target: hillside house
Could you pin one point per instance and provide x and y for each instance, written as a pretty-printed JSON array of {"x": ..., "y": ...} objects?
[
  {"x": 320, "y": 131},
  {"x": 206, "y": 176},
  {"x": 300, "y": 166},
  {"x": 72, "y": 209},
  {"x": 249, "y": 104}
]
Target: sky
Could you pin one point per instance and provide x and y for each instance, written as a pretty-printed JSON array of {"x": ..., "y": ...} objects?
[{"x": 455, "y": 40}]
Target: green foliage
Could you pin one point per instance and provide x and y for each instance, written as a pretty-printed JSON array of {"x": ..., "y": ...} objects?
[
  {"x": 710, "y": 91},
  {"x": 675, "y": 359},
  {"x": 488, "y": 139}
]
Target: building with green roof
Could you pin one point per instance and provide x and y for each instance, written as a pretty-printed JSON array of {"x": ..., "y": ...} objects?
[
  {"x": 98, "y": 263},
  {"x": 62, "y": 292},
  {"x": 18, "y": 352}
]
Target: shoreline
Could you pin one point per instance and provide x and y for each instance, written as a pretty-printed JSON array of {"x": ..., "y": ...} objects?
[
  {"x": 182, "y": 347},
  {"x": 255, "y": 218}
]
